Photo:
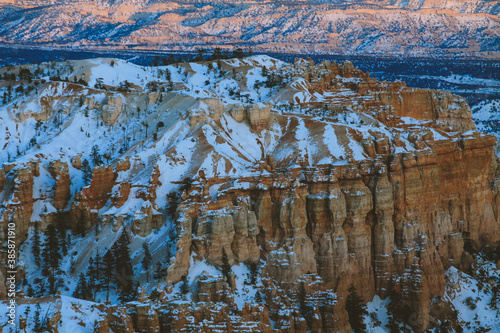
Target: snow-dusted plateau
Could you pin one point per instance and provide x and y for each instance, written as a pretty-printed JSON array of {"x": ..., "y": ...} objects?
[
  {"x": 455, "y": 28},
  {"x": 243, "y": 195}
]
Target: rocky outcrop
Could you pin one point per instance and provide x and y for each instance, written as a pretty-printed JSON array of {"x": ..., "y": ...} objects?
[
  {"x": 84, "y": 210},
  {"x": 62, "y": 190},
  {"x": 376, "y": 226},
  {"x": 258, "y": 116},
  {"x": 181, "y": 316}
]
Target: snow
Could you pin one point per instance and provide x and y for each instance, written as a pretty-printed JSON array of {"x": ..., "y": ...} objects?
[
  {"x": 356, "y": 148},
  {"x": 459, "y": 288},
  {"x": 41, "y": 207},
  {"x": 120, "y": 72},
  {"x": 245, "y": 292},
  {"x": 77, "y": 315},
  {"x": 377, "y": 318},
  {"x": 413, "y": 121},
  {"x": 303, "y": 137}
]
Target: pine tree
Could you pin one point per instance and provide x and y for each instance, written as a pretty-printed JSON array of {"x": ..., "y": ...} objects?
[
  {"x": 95, "y": 155},
  {"x": 394, "y": 312},
  {"x": 27, "y": 311},
  {"x": 184, "y": 285},
  {"x": 159, "y": 271},
  {"x": 37, "y": 321},
  {"x": 82, "y": 289},
  {"x": 146, "y": 261},
  {"x": 61, "y": 228},
  {"x": 97, "y": 263},
  {"x": 125, "y": 282},
  {"x": 494, "y": 298},
  {"x": 29, "y": 290},
  {"x": 226, "y": 267},
  {"x": 108, "y": 269},
  {"x": 35, "y": 247},
  {"x": 253, "y": 268},
  {"x": 356, "y": 310},
  {"x": 50, "y": 254},
  {"x": 91, "y": 276},
  {"x": 264, "y": 71},
  {"x": 154, "y": 295},
  {"x": 121, "y": 252},
  {"x": 127, "y": 289},
  {"x": 258, "y": 297},
  {"x": 51, "y": 258},
  {"x": 53, "y": 281},
  {"x": 87, "y": 171}
]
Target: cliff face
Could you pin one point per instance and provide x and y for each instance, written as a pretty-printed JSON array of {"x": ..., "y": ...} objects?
[
  {"x": 368, "y": 224},
  {"x": 326, "y": 179}
]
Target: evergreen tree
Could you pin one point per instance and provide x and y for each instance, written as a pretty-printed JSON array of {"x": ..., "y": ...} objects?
[
  {"x": 258, "y": 297},
  {"x": 61, "y": 228},
  {"x": 264, "y": 71},
  {"x": 35, "y": 247},
  {"x": 27, "y": 311},
  {"x": 29, "y": 290},
  {"x": 37, "y": 322},
  {"x": 184, "y": 285},
  {"x": 91, "y": 269},
  {"x": 217, "y": 55},
  {"x": 356, "y": 310},
  {"x": 168, "y": 75},
  {"x": 494, "y": 298},
  {"x": 97, "y": 263},
  {"x": 95, "y": 155},
  {"x": 226, "y": 267},
  {"x": 53, "y": 280},
  {"x": 51, "y": 258},
  {"x": 125, "y": 282},
  {"x": 146, "y": 261},
  {"x": 82, "y": 290},
  {"x": 155, "y": 295},
  {"x": 238, "y": 53},
  {"x": 93, "y": 274},
  {"x": 50, "y": 254},
  {"x": 87, "y": 171},
  {"x": 200, "y": 56},
  {"x": 99, "y": 83},
  {"x": 253, "y": 268},
  {"x": 127, "y": 289},
  {"x": 108, "y": 269},
  {"x": 159, "y": 271},
  {"x": 394, "y": 312}
]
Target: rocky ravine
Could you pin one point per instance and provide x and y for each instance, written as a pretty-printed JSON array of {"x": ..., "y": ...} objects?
[
  {"x": 323, "y": 176},
  {"x": 398, "y": 28}
]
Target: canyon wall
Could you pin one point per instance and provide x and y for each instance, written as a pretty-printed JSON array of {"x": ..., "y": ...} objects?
[{"x": 335, "y": 180}]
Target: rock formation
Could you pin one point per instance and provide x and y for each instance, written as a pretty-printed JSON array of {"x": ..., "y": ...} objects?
[{"x": 335, "y": 179}]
